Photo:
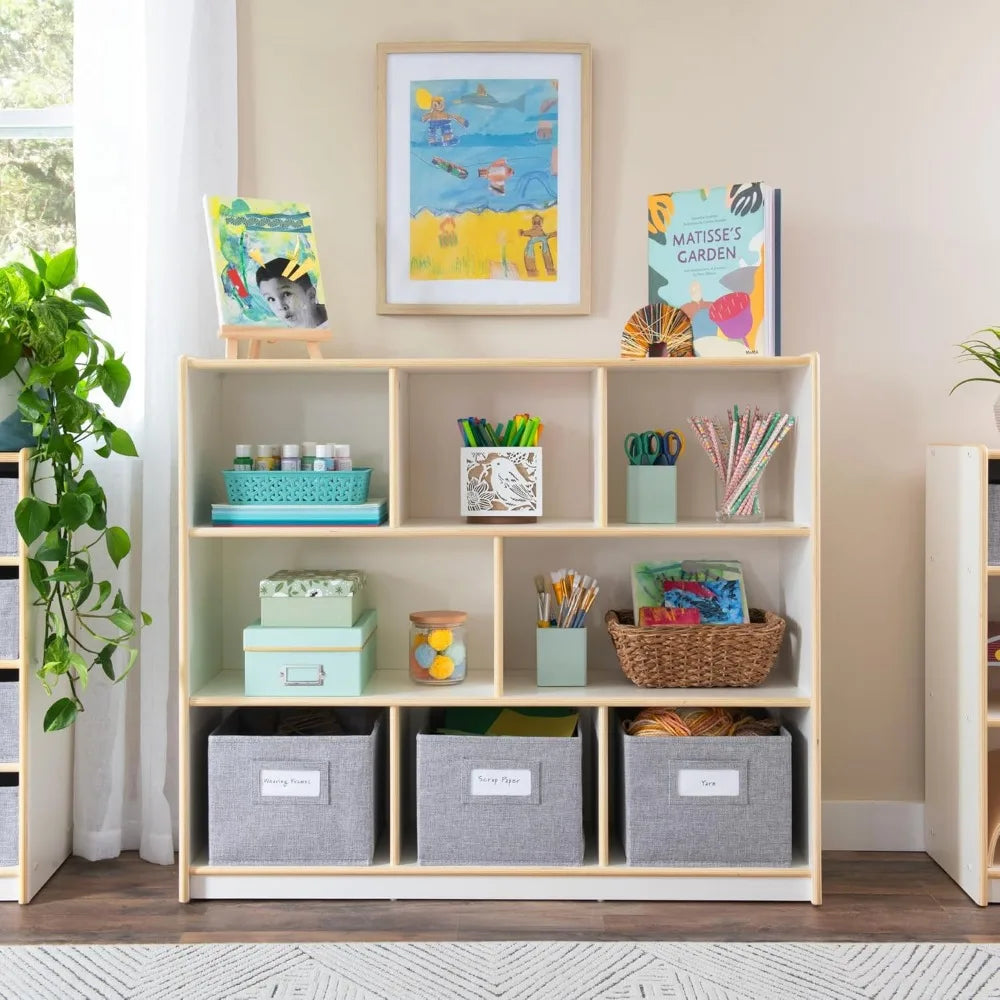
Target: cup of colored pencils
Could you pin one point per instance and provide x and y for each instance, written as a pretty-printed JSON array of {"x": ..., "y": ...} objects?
[
  {"x": 573, "y": 595},
  {"x": 739, "y": 453}
]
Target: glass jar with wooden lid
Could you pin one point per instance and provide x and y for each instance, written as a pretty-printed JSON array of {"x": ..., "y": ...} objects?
[{"x": 438, "y": 647}]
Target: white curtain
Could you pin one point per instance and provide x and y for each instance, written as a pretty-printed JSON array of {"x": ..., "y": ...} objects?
[{"x": 154, "y": 130}]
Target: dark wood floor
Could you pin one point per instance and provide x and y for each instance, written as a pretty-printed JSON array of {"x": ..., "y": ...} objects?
[{"x": 887, "y": 897}]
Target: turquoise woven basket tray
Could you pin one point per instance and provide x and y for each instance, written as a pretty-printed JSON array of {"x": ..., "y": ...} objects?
[{"x": 297, "y": 487}]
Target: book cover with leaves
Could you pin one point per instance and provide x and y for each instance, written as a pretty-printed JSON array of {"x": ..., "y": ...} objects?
[
  {"x": 265, "y": 264},
  {"x": 714, "y": 253}
]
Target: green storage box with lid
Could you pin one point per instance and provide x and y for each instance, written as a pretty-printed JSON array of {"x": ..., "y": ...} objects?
[
  {"x": 312, "y": 598},
  {"x": 309, "y": 662}
]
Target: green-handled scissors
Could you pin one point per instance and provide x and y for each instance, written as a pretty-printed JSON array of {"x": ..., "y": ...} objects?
[{"x": 645, "y": 448}]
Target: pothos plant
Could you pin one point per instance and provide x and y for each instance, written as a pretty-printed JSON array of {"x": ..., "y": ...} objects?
[{"x": 62, "y": 367}]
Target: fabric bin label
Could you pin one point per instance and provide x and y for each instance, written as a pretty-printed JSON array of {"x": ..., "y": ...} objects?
[
  {"x": 485, "y": 781},
  {"x": 709, "y": 783},
  {"x": 499, "y": 780},
  {"x": 702, "y": 782},
  {"x": 305, "y": 782}
]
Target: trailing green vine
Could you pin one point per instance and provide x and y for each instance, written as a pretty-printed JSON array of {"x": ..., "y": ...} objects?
[{"x": 62, "y": 365}]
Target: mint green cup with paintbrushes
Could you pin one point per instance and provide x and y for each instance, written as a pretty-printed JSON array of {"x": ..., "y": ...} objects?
[{"x": 651, "y": 476}]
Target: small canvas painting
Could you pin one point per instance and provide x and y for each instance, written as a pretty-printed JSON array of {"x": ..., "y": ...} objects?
[
  {"x": 484, "y": 180},
  {"x": 717, "y": 602},
  {"x": 265, "y": 263}
]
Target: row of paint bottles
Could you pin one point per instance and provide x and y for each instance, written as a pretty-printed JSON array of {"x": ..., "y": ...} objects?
[{"x": 309, "y": 457}]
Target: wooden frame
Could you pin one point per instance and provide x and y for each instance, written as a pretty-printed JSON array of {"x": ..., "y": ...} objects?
[
  {"x": 435, "y": 297},
  {"x": 790, "y": 542}
]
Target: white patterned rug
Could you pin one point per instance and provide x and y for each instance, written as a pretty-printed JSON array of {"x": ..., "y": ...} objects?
[{"x": 502, "y": 971}]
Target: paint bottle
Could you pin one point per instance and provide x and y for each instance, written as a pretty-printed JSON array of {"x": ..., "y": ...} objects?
[
  {"x": 331, "y": 451},
  {"x": 290, "y": 461},
  {"x": 243, "y": 462},
  {"x": 265, "y": 461},
  {"x": 342, "y": 458},
  {"x": 308, "y": 455},
  {"x": 323, "y": 457}
]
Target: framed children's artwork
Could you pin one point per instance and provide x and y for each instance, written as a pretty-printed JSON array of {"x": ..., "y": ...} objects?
[{"x": 484, "y": 178}]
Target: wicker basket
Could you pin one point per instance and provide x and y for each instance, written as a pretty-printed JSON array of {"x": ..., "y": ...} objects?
[{"x": 690, "y": 656}]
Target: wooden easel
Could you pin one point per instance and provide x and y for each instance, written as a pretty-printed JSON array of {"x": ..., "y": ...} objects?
[{"x": 311, "y": 337}]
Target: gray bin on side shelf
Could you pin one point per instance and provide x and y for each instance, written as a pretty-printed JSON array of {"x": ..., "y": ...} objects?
[
  {"x": 283, "y": 800},
  {"x": 993, "y": 529},
  {"x": 8, "y": 822},
  {"x": 10, "y": 611},
  {"x": 9, "y": 719},
  {"x": 669, "y": 815},
  {"x": 542, "y": 826},
  {"x": 9, "y": 495}
]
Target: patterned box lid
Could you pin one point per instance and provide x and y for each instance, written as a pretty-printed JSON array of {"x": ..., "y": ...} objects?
[{"x": 313, "y": 583}]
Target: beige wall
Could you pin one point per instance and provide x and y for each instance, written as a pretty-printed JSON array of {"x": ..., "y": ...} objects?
[{"x": 879, "y": 122}]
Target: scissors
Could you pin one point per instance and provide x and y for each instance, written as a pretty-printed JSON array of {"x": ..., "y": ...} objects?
[
  {"x": 671, "y": 447},
  {"x": 645, "y": 448}
]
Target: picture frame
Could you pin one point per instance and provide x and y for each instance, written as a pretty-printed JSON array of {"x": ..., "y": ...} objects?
[{"x": 484, "y": 200}]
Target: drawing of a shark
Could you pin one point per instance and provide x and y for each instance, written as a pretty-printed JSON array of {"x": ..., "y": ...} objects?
[{"x": 481, "y": 99}]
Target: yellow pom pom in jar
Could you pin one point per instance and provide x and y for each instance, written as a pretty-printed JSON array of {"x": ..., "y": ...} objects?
[{"x": 437, "y": 647}]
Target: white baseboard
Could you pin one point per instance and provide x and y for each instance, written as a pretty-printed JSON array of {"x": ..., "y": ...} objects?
[{"x": 873, "y": 826}]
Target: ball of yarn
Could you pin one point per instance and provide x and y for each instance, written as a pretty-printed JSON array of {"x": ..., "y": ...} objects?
[
  {"x": 457, "y": 652},
  {"x": 699, "y": 722},
  {"x": 424, "y": 655},
  {"x": 440, "y": 639},
  {"x": 442, "y": 668}
]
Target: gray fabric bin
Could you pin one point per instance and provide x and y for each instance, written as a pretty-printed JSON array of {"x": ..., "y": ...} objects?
[
  {"x": 671, "y": 812},
  {"x": 9, "y": 496},
  {"x": 535, "y": 819},
  {"x": 993, "y": 532},
  {"x": 9, "y": 718},
  {"x": 8, "y": 822},
  {"x": 9, "y": 619},
  {"x": 284, "y": 800}
]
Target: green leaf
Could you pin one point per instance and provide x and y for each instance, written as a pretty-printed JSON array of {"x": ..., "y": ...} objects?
[
  {"x": 117, "y": 381},
  {"x": 99, "y": 519},
  {"x": 39, "y": 577},
  {"x": 121, "y": 442},
  {"x": 103, "y": 593},
  {"x": 32, "y": 282},
  {"x": 40, "y": 262},
  {"x": 61, "y": 269},
  {"x": 133, "y": 652},
  {"x": 54, "y": 549},
  {"x": 61, "y": 714},
  {"x": 118, "y": 543},
  {"x": 32, "y": 518},
  {"x": 75, "y": 509},
  {"x": 147, "y": 619},
  {"x": 79, "y": 664},
  {"x": 104, "y": 658},
  {"x": 69, "y": 574},
  {"x": 123, "y": 619},
  {"x": 10, "y": 353},
  {"x": 91, "y": 299},
  {"x": 31, "y": 405}
]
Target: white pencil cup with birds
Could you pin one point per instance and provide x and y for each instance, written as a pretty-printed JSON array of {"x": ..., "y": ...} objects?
[{"x": 501, "y": 483}]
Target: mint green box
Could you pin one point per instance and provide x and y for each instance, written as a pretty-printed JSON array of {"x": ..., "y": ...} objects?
[
  {"x": 651, "y": 494},
  {"x": 304, "y": 662},
  {"x": 561, "y": 657},
  {"x": 312, "y": 598}
]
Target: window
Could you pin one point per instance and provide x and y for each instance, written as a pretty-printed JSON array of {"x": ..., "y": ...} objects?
[{"x": 36, "y": 144}]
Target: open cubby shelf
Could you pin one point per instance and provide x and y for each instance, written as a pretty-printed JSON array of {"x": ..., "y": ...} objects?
[
  {"x": 399, "y": 417},
  {"x": 43, "y": 768}
]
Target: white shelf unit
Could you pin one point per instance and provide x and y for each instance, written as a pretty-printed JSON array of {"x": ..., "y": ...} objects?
[
  {"x": 962, "y": 696},
  {"x": 399, "y": 416},
  {"x": 44, "y": 769}
]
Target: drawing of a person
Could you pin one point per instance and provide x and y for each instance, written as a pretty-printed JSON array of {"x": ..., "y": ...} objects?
[
  {"x": 293, "y": 301},
  {"x": 438, "y": 120},
  {"x": 537, "y": 237}
]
